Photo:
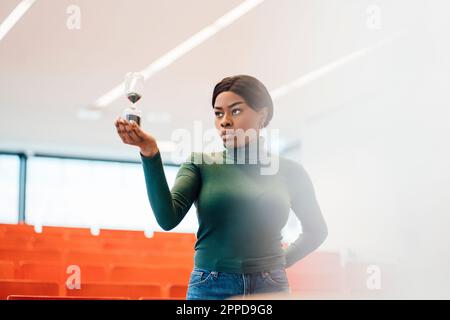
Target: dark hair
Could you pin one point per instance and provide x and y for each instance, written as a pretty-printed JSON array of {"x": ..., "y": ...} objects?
[{"x": 250, "y": 89}]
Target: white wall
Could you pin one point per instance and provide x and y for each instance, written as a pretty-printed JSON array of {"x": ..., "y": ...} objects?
[{"x": 380, "y": 160}]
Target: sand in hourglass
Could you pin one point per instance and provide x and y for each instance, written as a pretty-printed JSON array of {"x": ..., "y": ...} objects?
[{"x": 133, "y": 97}]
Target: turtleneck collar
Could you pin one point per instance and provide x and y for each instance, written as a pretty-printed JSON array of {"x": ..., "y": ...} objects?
[{"x": 250, "y": 153}]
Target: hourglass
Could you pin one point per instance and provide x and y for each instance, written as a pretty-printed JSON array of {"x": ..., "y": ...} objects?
[{"x": 134, "y": 85}]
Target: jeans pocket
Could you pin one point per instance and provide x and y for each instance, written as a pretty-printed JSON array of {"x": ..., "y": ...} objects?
[
  {"x": 199, "y": 276},
  {"x": 276, "y": 277}
]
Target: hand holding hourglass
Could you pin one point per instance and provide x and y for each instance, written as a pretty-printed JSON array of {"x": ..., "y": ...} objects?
[{"x": 128, "y": 127}]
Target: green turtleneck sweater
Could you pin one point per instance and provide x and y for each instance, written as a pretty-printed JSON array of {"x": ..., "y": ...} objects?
[{"x": 240, "y": 210}]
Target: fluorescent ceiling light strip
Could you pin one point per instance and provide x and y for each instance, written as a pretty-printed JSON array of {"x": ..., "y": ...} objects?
[
  {"x": 14, "y": 16},
  {"x": 178, "y": 51},
  {"x": 182, "y": 49},
  {"x": 236, "y": 13},
  {"x": 316, "y": 74}
]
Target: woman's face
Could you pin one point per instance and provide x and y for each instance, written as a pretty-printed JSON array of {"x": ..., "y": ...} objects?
[{"x": 233, "y": 113}]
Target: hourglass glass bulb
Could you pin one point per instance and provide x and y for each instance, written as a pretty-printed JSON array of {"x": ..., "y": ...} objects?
[{"x": 134, "y": 85}]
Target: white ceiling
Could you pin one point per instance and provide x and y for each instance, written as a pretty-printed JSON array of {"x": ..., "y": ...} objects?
[{"x": 48, "y": 73}]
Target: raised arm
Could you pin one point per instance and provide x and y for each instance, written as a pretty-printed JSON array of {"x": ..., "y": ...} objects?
[{"x": 170, "y": 206}]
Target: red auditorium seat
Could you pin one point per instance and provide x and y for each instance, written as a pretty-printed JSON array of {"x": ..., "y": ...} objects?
[
  {"x": 122, "y": 234},
  {"x": 78, "y": 232},
  {"x": 38, "y": 261},
  {"x": 82, "y": 243},
  {"x": 27, "y": 287},
  {"x": 14, "y": 229},
  {"x": 133, "y": 291},
  {"x": 20, "y": 242},
  {"x": 7, "y": 270},
  {"x": 44, "y": 245},
  {"x": 174, "y": 236},
  {"x": 178, "y": 291},
  {"x": 178, "y": 245},
  {"x": 57, "y": 272},
  {"x": 318, "y": 272},
  {"x": 169, "y": 259},
  {"x": 318, "y": 261},
  {"x": 124, "y": 244},
  {"x": 48, "y": 237},
  {"x": 79, "y": 244},
  {"x": 51, "y": 230},
  {"x": 131, "y": 258},
  {"x": 37, "y": 297},
  {"x": 99, "y": 257},
  {"x": 161, "y": 275},
  {"x": 17, "y": 255},
  {"x": 316, "y": 282},
  {"x": 65, "y": 232},
  {"x": 158, "y": 298}
]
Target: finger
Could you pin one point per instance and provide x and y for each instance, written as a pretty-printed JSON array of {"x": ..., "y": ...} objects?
[
  {"x": 121, "y": 128},
  {"x": 122, "y": 122},
  {"x": 123, "y": 137},
  {"x": 137, "y": 130},
  {"x": 139, "y": 134},
  {"x": 133, "y": 135},
  {"x": 123, "y": 133}
]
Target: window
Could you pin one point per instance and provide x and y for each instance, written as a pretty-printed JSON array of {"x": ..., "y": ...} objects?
[{"x": 97, "y": 194}]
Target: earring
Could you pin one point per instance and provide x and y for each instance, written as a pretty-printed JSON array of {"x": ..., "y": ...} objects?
[{"x": 261, "y": 124}]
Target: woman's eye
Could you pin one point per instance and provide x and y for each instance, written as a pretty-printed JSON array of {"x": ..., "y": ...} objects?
[
  {"x": 218, "y": 114},
  {"x": 236, "y": 111}
]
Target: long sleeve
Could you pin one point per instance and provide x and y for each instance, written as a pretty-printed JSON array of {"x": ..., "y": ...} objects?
[
  {"x": 170, "y": 206},
  {"x": 306, "y": 208}
]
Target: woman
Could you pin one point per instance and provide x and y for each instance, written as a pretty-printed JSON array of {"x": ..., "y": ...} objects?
[{"x": 240, "y": 211}]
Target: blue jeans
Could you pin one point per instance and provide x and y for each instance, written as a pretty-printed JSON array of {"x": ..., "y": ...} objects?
[{"x": 208, "y": 284}]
